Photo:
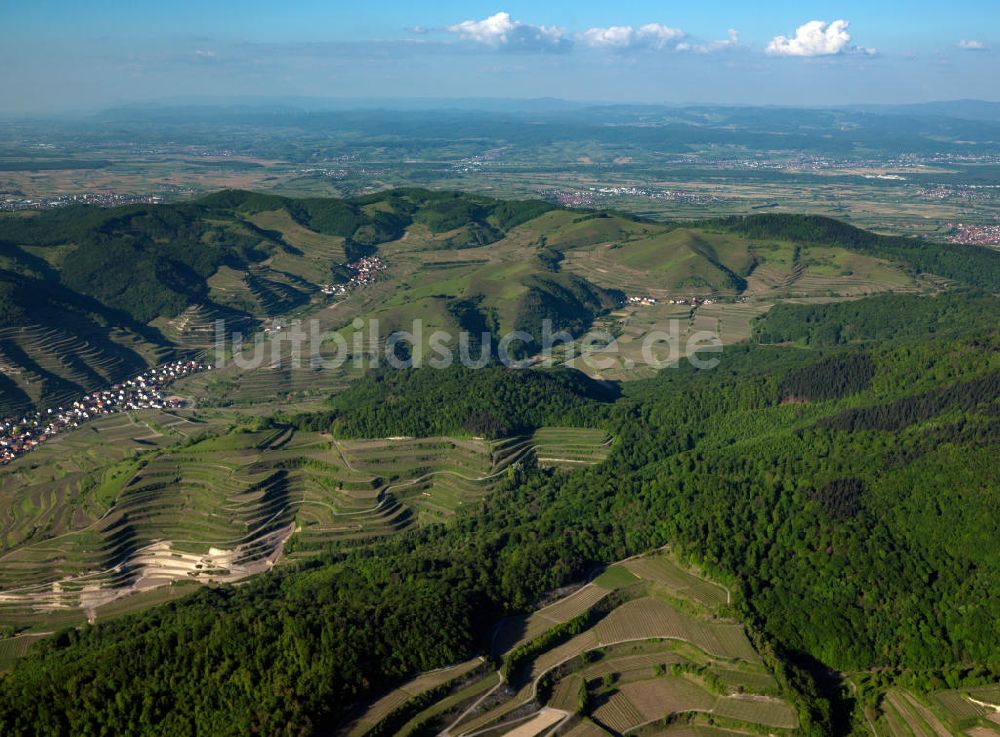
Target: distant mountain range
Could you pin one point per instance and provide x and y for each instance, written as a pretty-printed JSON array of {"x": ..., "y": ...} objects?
[
  {"x": 961, "y": 109},
  {"x": 969, "y": 109}
]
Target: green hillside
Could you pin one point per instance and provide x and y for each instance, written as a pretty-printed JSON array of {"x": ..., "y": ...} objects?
[
  {"x": 137, "y": 283},
  {"x": 56, "y": 344},
  {"x": 131, "y": 503},
  {"x": 834, "y": 474},
  {"x": 147, "y": 280},
  {"x": 843, "y": 496}
]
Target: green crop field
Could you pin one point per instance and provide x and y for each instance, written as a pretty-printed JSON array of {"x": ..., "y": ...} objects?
[
  {"x": 381, "y": 709},
  {"x": 12, "y": 648},
  {"x": 973, "y": 711},
  {"x": 680, "y": 582}
]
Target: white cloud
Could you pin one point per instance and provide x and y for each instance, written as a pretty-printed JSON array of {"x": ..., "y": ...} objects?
[
  {"x": 816, "y": 38},
  {"x": 972, "y": 45},
  {"x": 651, "y": 35},
  {"x": 710, "y": 47},
  {"x": 616, "y": 37},
  {"x": 492, "y": 31},
  {"x": 501, "y": 31},
  {"x": 660, "y": 35}
]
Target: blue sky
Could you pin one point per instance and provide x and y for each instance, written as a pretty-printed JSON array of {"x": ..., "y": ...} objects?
[{"x": 75, "y": 55}]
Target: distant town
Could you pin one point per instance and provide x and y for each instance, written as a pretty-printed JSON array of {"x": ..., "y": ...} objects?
[
  {"x": 100, "y": 199},
  {"x": 593, "y": 195},
  {"x": 975, "y": 235},
  {"x": 144, "y": 391}
]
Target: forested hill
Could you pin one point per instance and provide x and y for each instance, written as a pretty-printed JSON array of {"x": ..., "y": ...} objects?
[
  {"x": 971, "y": 265},
  {"x": 846, "y": 494},
  {"x": 122, "y": 275},
  {"x": 491, "y": 402},
  {"x": 882, "y": 319},
  {"x": 152, "y": 261}
]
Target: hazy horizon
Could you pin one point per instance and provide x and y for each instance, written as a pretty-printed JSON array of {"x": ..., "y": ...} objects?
[
  {"x": 61, "y": 56},
  {"x": 547, "y": 104}
]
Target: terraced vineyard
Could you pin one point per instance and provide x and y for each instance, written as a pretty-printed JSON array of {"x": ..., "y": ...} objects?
[
  {"x": 131, "y": 503},
  {"x": 194, "y": 328},
  {"x": 45, "y": 365},
  {"x": 387, "y": 705},
  {"x": 569, "y": 447},
  {"x": 970, "y": 712},
  {"x": 639, "y": 658},
  {"x": 69, "y": 481}
]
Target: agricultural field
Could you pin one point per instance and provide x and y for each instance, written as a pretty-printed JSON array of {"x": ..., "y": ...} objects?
[
  {"x": 637, "y": 169},
  {"x": 657, "y": 639},
  {"x": 318, "y": 250},
  {"x": 680, "y": 582},
  {"x": 49, "y": 361},
  {"x": 69, "y": 482},
  {"x": 12, "y": 648},
  {"x": 725, "y": 282}
]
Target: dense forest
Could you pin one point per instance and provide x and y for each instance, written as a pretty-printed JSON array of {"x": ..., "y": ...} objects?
[
  {"x": 848, "y": 493},
  {"x": 492, "y": 402},
  {"x": 888, "y": 317}
]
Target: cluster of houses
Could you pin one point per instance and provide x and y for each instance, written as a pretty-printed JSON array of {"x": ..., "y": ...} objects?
[
  {"x": 363, "y": 271},
  {"x": 593, "y": 195},
  {"x": 145, "y": 391},
  {"x": 693, "y": 301},
  {"x": 975, "y": 235},
  {"x": 101, "y": 199}
]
